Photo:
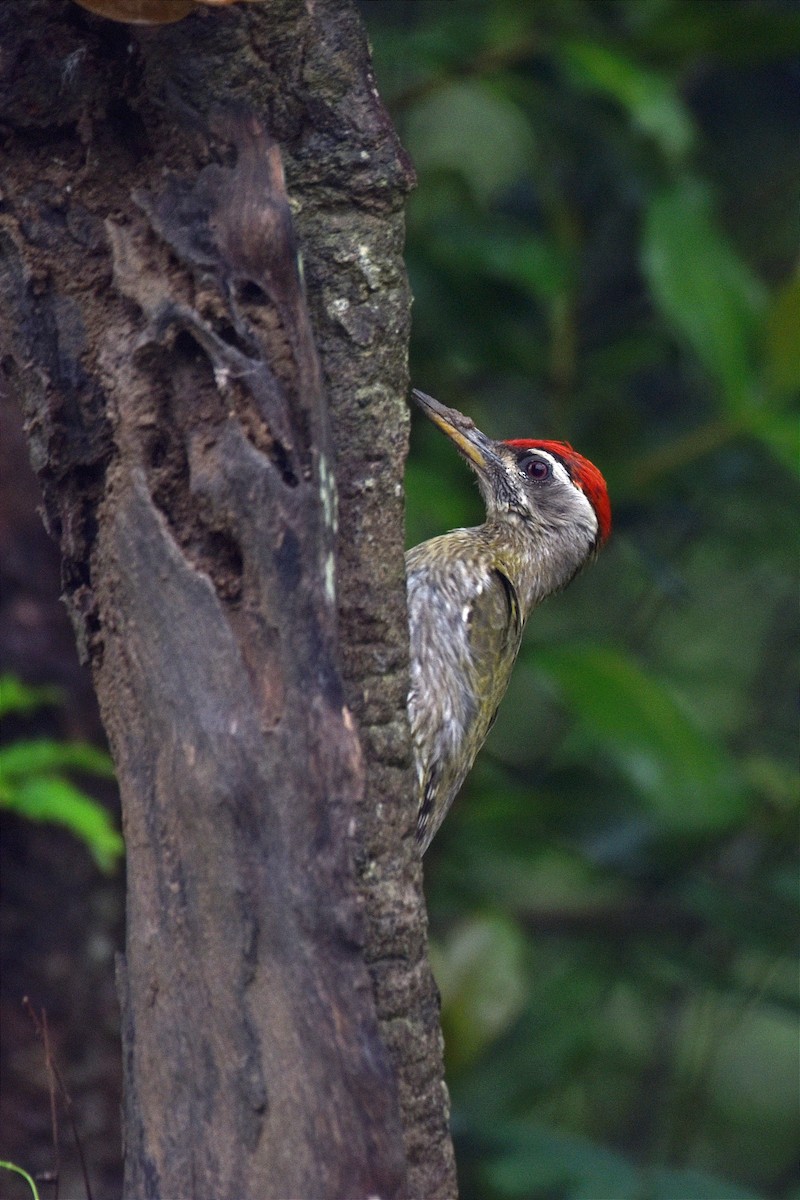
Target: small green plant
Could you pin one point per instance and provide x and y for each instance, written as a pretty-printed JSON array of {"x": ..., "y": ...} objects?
[
  {"x": 33, "y": 776},
  {"x": 9, "y": 1166}
]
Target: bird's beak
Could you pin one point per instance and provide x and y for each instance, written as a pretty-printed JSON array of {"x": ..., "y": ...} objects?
[{"x": 474, "y": 445}]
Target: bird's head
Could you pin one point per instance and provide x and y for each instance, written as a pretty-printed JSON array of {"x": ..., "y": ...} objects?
[{"x": 556, "y": 492}]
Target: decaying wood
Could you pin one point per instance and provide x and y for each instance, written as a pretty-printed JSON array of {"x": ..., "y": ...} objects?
[{"x": 279, "y": 1019}]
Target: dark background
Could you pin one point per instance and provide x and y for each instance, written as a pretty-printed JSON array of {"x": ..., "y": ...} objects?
[{"x": 603, "y": 248}]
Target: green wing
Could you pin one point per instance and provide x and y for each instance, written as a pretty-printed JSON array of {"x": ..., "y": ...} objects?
[{"x": 495, "y": 632}]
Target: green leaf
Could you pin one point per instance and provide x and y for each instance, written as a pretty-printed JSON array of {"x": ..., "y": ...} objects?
[
  {"x": 677, "y": 1185},
  {"x": 543, "y": 1161},
  {"x": 479, "y": 970},
  {"x": 469, "y": 128},
  {"x": 783, "y": 338},
  {"x": 651, "y": 99},
  {"x": 549, "y": 1162},
  {"x": 532, "y": 263},
  {"x": 19, "y": 697},
  {"x": 42, "y": 755},
  {"x": 50, "y": 799},
  {"x": 719, "y": 30},
  {"x": 780, "y": 433},
  {"x": 704, "y": 289},
  {"x": 774, "y": 779},
  {"x": 685, "y": 778}
]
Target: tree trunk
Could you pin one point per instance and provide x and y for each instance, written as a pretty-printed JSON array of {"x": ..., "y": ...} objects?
[{"x": 280, "y": 1024}]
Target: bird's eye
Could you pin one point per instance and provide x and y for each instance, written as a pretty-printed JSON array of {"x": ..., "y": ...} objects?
[{"x": 537, "y": 469}]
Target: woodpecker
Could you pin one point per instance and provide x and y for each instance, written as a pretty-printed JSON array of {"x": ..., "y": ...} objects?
[{"x": 471, "y": 591}]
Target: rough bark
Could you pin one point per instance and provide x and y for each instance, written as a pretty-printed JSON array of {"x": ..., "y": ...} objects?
[{"x": 280, "y": 1024}]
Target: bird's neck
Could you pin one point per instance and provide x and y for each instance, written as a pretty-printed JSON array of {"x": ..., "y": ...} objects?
[{"x": 536, "y": 563}]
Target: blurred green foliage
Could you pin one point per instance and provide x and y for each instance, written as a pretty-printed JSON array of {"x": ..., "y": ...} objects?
[
  {"x": 603, "y": 248},
  {"x": 33, "y": 782}
]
